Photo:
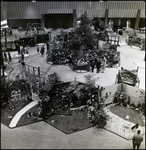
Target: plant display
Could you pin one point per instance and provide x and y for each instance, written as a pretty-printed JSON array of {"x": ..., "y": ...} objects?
[
  {"x": 4, "y": 92},
  {"x": 96, "y": 103},
  {"x": 95, "y": 110},
  {"x": 127, "y": 76},
  {"x": 134, "y": 39},
  {"x": 80, "y": 45},
  {"x": 59, "y": 98},
  {"x": 141, "y": 105},
  {"x": 120, "y": 96},
  {"x": 76, "y": 43}
]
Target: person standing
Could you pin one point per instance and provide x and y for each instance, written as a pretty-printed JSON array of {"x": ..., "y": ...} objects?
[
  {"x": 9, "y": 56},
  {"x": 38, "y": 49},
  {"x": 22, "y": 57},
  {"x": 47, "y": 44},
  {"x": 5, "y": 56},
  {"x": 137, "y": 139},
  {"x": 98, "y": 64},
  {"x": 103, "y": 64},
  {"x": 42, "y": 50},
  {"x": 18, "y": 48},
  {"x": 92, "y": 64}
]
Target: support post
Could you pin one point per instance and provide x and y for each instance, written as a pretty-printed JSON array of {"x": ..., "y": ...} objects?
[
  {"x": 42, "y": 22},
  {"x": 106, "y": 17},
  {"x": 137, "y": 19},
  {"x": 74, "y": 17}
]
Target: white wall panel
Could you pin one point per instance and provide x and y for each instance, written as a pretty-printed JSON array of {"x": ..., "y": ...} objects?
[
  {"x": 22, "y": 10},
  {"x": 122, "y": 13},
  {"x": 55, "y": 11},
  {"x": 142, "y": 15}
]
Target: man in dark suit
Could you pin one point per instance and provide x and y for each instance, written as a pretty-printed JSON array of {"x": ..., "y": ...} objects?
[
  {"x": 137, "y": 139},
  {"x": 98, "y": 64}
]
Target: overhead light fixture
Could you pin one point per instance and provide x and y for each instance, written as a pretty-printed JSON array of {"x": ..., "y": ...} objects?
[
  {"x": 33, "y": 1},
  {"x": 100, "y": 1}
]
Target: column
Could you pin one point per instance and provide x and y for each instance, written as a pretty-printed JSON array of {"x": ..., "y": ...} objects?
[
  {"x": 106, "y": 17},
  {"x": 42, "y": 22},
  {"x": 137, "y": 19},
  {"x": 74, "y": 17}
]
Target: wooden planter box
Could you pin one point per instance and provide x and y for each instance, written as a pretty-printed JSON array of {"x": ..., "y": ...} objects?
[
  {"x": 77, "y": 67},
  {"x": 130, "y": 74}
]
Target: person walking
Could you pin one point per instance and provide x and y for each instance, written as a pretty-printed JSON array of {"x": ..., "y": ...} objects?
[{"x": 137, "y": 139}]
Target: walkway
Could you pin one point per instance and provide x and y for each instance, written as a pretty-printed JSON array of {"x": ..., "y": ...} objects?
[{"x": 16, "y": 118}]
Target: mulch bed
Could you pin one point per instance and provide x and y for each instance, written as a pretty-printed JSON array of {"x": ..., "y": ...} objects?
[
  {"x": 77, "y": 121},
  {"x": 7, "y": 115},
  {"x": 25, "y": 120},
  {"x": 134, "y": 116}
]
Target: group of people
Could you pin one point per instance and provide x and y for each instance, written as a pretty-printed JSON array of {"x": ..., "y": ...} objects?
[{"x": 99, "y": 63}]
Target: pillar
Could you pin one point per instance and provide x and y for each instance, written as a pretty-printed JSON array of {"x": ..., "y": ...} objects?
[
  {"x": 106, "y": 17},
  {"x": 74, "y": 17},
  {"x": 42, "y": 22},
  {"x": 137, "y": 19}
]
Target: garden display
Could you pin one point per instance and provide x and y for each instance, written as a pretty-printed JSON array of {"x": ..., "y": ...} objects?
[
  {"x": 135, "y": 39},
  {"x": 56, "y": 98},
  {"x": 79, "y": 46}
]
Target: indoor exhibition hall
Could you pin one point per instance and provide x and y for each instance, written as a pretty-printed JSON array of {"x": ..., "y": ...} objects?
[{"x": 72, "y": 74}]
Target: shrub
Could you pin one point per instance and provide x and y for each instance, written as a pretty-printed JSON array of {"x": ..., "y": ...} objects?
[
  {"x": 128, "y": 102},
  {"x": 139, "y": 105},
  {"x": 124, "y": 103},
  {"x": 99, "y": 118},
  {"x": 115, "y": 100},
  {"x": 133, "y": 105},
  {"x": 143, "y": 108}
]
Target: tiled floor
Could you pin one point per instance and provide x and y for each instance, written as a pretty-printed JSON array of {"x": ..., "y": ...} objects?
[{"x": 43, "y": 136}]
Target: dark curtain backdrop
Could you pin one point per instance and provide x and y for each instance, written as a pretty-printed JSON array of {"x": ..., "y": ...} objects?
[
  {"x": 16, "y": 23},
  {"x": 67, "y": 22},
  {"x": 58, "y": 20}
]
